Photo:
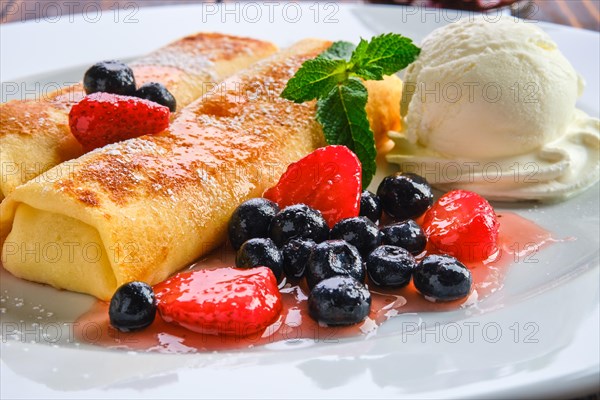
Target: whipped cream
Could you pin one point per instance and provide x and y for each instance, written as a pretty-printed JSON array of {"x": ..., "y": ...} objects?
[{"x": 556, "y": 171}]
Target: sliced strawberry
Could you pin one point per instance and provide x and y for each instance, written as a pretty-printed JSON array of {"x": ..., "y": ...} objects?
[
  {"x": 103, "y": 118},
  {"x": 328, "y": 179},
  {"x": 462, "y": 224},
  {"x": 226, "y": 301}
]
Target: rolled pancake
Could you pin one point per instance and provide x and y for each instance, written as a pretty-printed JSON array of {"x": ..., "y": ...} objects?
[
  {"x": 35, "y": 134},
  {"x": 146, "y": 207}
]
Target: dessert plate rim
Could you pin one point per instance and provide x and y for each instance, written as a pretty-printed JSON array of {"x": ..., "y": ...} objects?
[{"x": 561, "y": 359}]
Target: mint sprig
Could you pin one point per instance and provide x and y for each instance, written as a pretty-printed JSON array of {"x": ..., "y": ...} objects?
[{"x": 334, "y": 79}]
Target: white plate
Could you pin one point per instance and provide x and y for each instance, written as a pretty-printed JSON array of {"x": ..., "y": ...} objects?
[{"x": 537, "y": 337}]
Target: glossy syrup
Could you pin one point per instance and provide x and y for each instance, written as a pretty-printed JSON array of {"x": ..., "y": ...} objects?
[{"x": 519, "y": 239}]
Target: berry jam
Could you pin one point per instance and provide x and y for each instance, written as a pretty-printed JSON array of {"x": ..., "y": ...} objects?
[{"x": 294, "y": 325}]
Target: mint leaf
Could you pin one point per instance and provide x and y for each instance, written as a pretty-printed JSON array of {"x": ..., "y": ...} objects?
[
  {"x": 374, "y": 72},
  {"x": 359, "y": 52},
  {"x": 339, "y": 50},
  {"x": 315, "y": 78},
  {"x": 334, "y": 79},
  {"x": 344, "y": 120},
  {"x": 383, "y": 55}
]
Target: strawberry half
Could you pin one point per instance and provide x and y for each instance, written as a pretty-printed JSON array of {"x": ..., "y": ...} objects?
[
  {"x": 462, "y": 224},
  {"x": 328, "y": 180},
  {"x": 227, "y": 301},
  {"x": 103, "y": 118}
]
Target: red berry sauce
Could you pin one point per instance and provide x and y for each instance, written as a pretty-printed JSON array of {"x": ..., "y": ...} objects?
[{"x": 518, "y": 239}]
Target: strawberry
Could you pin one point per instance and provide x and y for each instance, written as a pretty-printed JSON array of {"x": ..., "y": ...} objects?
[
  {"x": 226, "y": 301},
  {"x": 328, "y": 180},
  {"x": 462, "y": 224},
  {"x": 103, "y": 118}
]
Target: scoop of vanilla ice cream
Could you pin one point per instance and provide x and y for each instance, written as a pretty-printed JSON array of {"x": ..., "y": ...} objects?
[
  {"x": 489, "y": 88},
  {"x": 489, "y": 106}
]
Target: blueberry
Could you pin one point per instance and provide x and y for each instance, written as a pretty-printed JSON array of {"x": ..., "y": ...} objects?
[
  {"x": 442, "y": 277},
  {"x": 132, "y": 307},
  {"x": 333, "y": 258},
  {"x": 110, "y": 77},
  {"x": 360, "y": 232},
  {"x": 407, "y": 234},
  {"x": 340, "y": 300},
  {"x": 251, "y": 220},
  {"x": 405, "y": 195},
  {"x": 298, "y": 222},
  {"x": 260, "y": 252},
  {"x": 157, "y": 93},
  {"x": 370, "y": 206},
  {"x": 390, "y": 266},
  {"x": 295, "y": 257}
]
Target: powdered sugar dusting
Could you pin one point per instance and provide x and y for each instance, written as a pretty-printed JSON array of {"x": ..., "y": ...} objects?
[{"x": 194, "y": 63}]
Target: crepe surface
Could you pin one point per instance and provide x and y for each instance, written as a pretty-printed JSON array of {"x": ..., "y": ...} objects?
[
  {"x": 146, "y": 207},
  {"x": 35, "y": 133}
]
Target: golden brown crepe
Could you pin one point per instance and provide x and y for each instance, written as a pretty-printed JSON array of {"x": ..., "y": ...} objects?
[
  {"x": 35, "y": 134},
  {"x": 146, "y": 207}
]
